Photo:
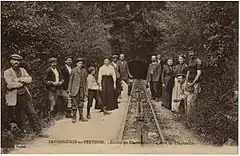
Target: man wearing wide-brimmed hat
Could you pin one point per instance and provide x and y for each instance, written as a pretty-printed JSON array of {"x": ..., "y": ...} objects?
[
  {"x": 54, "y": 83},
  {"x": 77, "y": 88},
  {"x": 18, "y": 97}
]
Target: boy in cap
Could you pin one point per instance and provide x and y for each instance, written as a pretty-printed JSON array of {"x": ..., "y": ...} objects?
[
  {"x": 18, "y": 97},
  {"x": 93, "y": 92},
  {"x": 77, "y": 88},
  {"x": 54, "y": 83}
]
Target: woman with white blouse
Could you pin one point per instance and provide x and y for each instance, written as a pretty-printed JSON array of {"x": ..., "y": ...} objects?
[{"x": 107, "y": 82}]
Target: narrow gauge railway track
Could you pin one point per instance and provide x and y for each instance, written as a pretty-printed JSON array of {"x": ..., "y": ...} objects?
[{"x": 141, "y": 125}]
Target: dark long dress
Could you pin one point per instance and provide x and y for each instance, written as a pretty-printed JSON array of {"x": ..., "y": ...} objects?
[
  {"x": 167, "y": 79},
  {"x": 108, "y": 93}
]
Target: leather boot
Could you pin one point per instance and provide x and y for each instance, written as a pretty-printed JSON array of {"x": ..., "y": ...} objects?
[
  {"x": 81, "y": 117},
  {"x": 105, "y": 112},
  {"x": 51, "y": 117},
  {"x": 88, "y": 113},
  {"x": 74, "y": 116},
  {"x": 68, "y": 113}
]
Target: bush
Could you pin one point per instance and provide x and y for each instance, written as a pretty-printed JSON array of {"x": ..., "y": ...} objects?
[
  {"x": 211, "y": 29},
  {"x": 40, "y": 30}
]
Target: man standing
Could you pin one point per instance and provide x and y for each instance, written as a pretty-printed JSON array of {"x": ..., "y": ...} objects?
[
  {"x": 181, "y": 97},
  {"x": 117, "y": 72},
  {"x": 18, "y": 97},
  {"x": 192, "y": 80},
  {"x": 66, "y": 71},
  {"x": 124, "y": 72},
  {"x": 77, "y": 88},
  {"x": 153, "y": 77},
  {"x": 160, "y": 67},
  {"x": 54, "y": 83}
]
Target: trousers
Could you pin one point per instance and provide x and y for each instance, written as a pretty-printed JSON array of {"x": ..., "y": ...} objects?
[
  {"x": 154, "y": 89},
  {"x": 78, "y": 101},
  {"x": 24, "y": 107},
  {"x": 118, "y": 87},
  {"x": 192, "y": 94},
  {"x": 54, "y": 95},
  {"x": 94, "y": 94},
  {"x": 129, "y": 83}
]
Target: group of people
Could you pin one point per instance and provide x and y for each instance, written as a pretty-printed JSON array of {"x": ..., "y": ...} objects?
[
  {"x": 72, "y": 82},
  {"x": 177, "y": 86}
]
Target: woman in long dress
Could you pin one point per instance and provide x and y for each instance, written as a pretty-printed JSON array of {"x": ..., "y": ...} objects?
[
  {"x": 167, "y": 80},
  {"x": 181, "y": 68},
  {"x": 107, "y": 82}
]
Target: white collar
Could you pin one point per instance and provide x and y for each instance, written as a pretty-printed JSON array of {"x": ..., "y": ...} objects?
[
  {"x": 67, "y": 66},
  {"x": 53, "y": 69}
]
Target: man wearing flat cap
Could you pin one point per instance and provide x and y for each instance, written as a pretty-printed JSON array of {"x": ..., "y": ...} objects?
[
  {"x": 66, "y": 71},
  {"x": 18, "y": 97},
  {"x": 77, "y": 88},
  {"x": 54, "y": 83},
  {"x": 117, "y": 72},
  {"x": 153, "y": 76},
  {"x": 124, "y": 72}
]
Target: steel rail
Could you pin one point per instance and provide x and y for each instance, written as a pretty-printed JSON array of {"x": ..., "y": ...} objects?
[
  {"x": 154, "y": 115},
  {"x": 120, "y": 136}
]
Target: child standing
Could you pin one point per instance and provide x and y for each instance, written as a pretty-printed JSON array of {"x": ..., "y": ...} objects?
[
  {"x": 93, "y": 93},
  {"x": 77, "y": 88},
  {"x": 180, "y": 98}
]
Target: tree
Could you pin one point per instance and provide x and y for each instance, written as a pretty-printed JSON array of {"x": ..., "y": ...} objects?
[
  {"x": 40, "y": 30},
  {"x": 211, "y": 29},
  {"x": 132, "y": 33}
]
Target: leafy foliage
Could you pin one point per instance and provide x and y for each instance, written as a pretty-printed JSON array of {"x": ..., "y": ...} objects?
[
  {"x": 40, "y": 30},
  {"x": 132, "y": 32},
  {"x": 211, "y": 29}
]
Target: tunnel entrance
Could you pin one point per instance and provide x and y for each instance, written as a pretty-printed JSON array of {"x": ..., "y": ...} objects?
[
  {"x": 138, "y": 69},
  {"x": 139, "y": 60},
  {"x": 138, "y": 66}
]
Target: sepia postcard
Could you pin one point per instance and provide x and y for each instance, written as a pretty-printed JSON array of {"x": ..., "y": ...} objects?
[{"x": 119, "y": 77}]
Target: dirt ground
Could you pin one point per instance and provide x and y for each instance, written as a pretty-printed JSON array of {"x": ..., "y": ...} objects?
[{"x": 96, "y": 135}]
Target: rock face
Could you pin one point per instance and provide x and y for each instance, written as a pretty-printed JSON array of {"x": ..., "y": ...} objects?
[{"x": 230, "y": 142}]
